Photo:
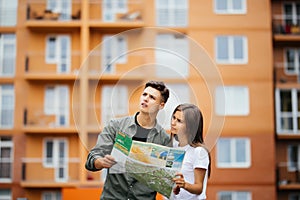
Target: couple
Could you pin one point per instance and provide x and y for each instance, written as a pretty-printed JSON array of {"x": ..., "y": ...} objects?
[{"x": 186, "y": 127}]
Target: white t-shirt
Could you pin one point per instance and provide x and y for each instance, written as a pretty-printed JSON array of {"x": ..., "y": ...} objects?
[{"x": 194, "y": 158}]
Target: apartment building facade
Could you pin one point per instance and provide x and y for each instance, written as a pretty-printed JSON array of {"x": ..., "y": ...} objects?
[{"x": 67, "y": 67}]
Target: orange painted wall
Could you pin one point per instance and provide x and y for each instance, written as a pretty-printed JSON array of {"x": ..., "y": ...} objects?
[{"x": 86, "y": 193}]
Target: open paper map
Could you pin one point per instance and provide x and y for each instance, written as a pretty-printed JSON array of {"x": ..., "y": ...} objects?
[{"x": 152, "y": 164}]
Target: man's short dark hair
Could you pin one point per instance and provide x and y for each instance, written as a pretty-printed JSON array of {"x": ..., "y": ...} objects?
[{"x": 160, "y": 86}]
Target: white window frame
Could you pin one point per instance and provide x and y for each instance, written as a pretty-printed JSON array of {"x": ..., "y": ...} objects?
[
  {"x": 54, "y": 195},
  {"x": 231, "y": 50},
  {"x": 7, "y": 196},
  {"x": 56, "y": 102},
  {"x": 61, "y": 7},
  {"x": 294, "y": 16},
  {"x": 232, "y": 101},
  {"x": 296, "y": 61},
  {"x": 7, "y": 41},
  {"x": 7, "y": 144},
  {"x": 179, "y": 93},
  {"x": 171, "y": 56},
  {"x": 56, "y": 162},
  {"x": 232, "y": 153},
  {"x": 234, "y": 195},
  {"x": 289, "y": 118},
  {"x": 171, "y": 14},
  {"x": 111, "y": 8},
  {"x": 8, "y": 12},
  {"x": 114, "y": 102},
  {"x": 114, "y": 51},
  {"x": 11, "y": 107},
  {"x": 230, "y": 7},
  {"x": 58, "y": 51}
]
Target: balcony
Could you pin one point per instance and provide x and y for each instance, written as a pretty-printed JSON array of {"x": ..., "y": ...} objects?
[
  {"x": 38, "y": 68},
  {"x": 41, "y": 14},
  {"x": 284, "y": 29},
  {"x": 36, "y": 120},
  {"x": 286, "y": 73},
  {"x": 115, "y": 69},
  {"x": 37, "y": 173},
  {"x": 110, "y": 15},
  {"x": 288, "y": 176}
]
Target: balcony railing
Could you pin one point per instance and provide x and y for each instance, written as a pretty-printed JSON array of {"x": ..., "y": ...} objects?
[
  {"x": 36, "y": 63},
  {"x": 36, "y": 117},
  {"x": 284, "y": 24},
  {"x": 36, "y": 170},
  {"x": 108, "y": 11},
  {"x": 288, "y": 174},
  {"x": 39, "y": 10},
  {"x": 286, "y": 73}
]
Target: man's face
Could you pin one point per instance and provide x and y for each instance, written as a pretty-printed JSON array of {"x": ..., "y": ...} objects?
[{"x": 151, "y": 100}]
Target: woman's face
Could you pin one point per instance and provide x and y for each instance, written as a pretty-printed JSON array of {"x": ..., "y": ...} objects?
[{"x": 177, "y": 123}]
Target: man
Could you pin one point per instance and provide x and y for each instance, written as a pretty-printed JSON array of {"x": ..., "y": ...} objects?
[{"x": 142, "y": 126}]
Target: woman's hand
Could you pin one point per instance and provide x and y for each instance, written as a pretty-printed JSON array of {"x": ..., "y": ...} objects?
[
  {"x": 106, "y": 162},
  {"x": 179, "y": 180}
]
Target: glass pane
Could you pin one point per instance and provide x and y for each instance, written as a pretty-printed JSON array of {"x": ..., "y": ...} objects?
[
  {"x": 8, "y": 59},
  {"x": 221, "y": 5},
  {"x": 238, "y": 48},
  {"x": 286, "y": 101},
  {"x": 288, "y": 13},
  {"x": 287, "y": 123},
  {"x": 5, "y": 192},
  {"x": 5, "y": 169},
  {"x": 5, "y": 153},
  {"x": 222, "y": 48},
  {"x": 241, "y": 150},
  {"x": 242, "y": 195},
  {"x": 51, "y": 48},
  {"x": 49, "y": 152},
  {"x": 223, "y": 150},
  {"x": 298, "y": 13},
  {"x": 290, "y": 57},
  {"x": 237, "y": 4}
]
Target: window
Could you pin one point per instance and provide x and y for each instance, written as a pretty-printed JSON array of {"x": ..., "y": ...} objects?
[
  {"x": 288, "y": 111},
  {"x": 111, "y": 8},
  {"x": 234, "y": 195},
  {"x": 291, "y": 13},
  {"x": 232, "y": 100},
  {"x": 179, "y": 93},
  {"x": 58, "y": 52},
  {"x": 7, "y": 104},
  {"x": 55, "y": 156},
  {"x": 5, "y": 194},
  {"x": 51, "y": 195},
  {"x": 294, "y": 196},
  {"x": 171, "y": 56},
  {"x": 6, "y": 159},
  {"x": 292, "y": 60},
  {"x": 114, "y": 51},
  {"x": 172, "y": 13},
  {"x": 114, "y": 102},
  {"x": 7, "y": 54},
  {"x": 8, "y": 12},
  {"x": 231, "y": 50},
  {"x": 293, "y": 157},
  {"x": 62, "y": 7},
  {"x": 233, "y": 153},
  {"x": 230, "y": 6},
  {"x": 57, "y": 103}
]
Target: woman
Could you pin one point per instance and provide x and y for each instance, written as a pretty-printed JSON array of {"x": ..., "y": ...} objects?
[{"x": 187, "y": 128}]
